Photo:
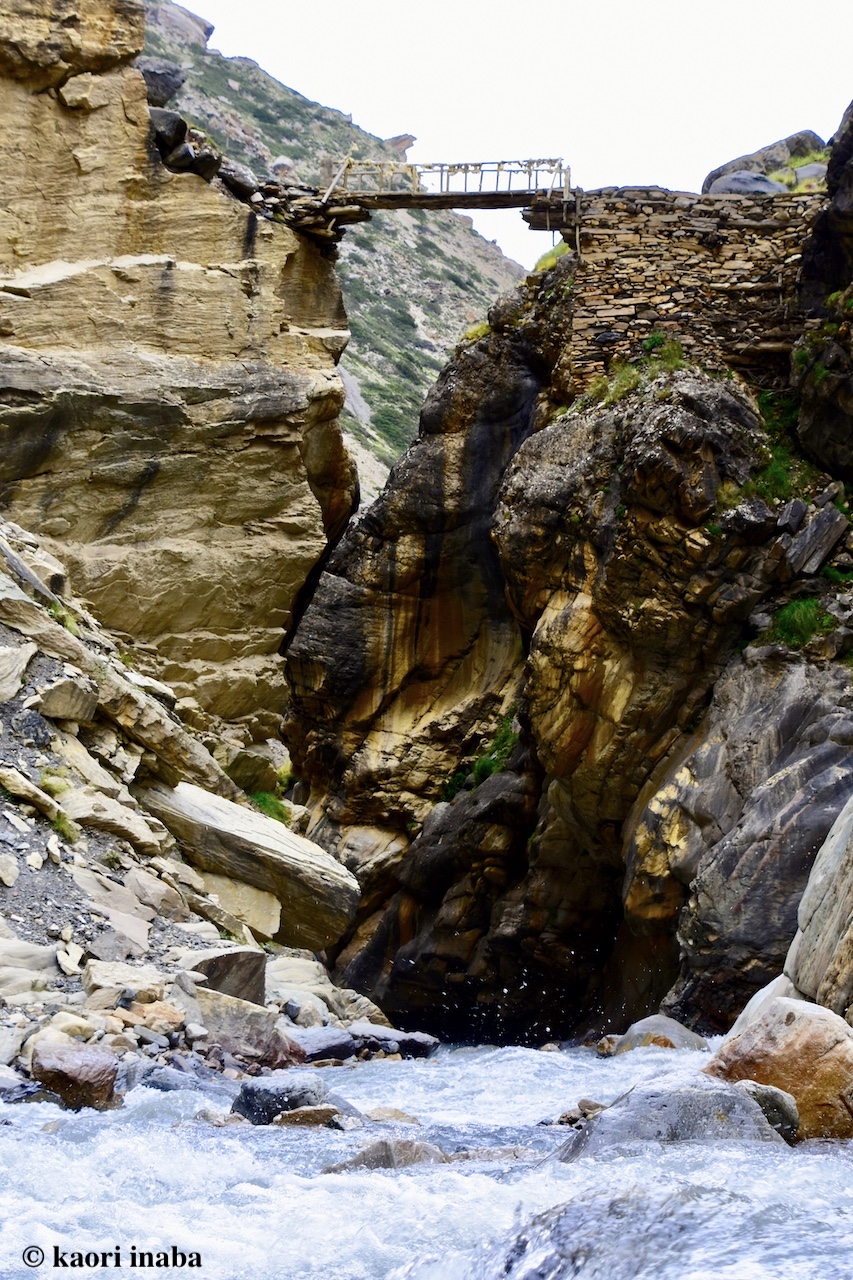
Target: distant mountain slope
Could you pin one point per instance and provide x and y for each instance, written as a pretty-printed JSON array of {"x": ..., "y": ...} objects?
[{"x": 413, "y": 282}]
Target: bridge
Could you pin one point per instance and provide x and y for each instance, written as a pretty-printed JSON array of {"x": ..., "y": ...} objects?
[
  {"x": 352, "y": 189},
  {"x": 481, "y": 184}
]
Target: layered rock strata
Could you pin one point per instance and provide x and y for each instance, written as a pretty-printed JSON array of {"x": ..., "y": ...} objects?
[{"x": 168, "y": 400}]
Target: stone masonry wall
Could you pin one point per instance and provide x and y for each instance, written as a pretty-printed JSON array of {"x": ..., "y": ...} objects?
[{"x": 719, "y": 273}]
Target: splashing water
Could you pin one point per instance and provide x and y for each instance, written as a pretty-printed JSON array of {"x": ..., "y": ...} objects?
[{"x": 256, "y": 1205}]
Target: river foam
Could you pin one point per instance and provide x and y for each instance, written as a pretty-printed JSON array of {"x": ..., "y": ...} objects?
[{"x": 255, "y": 1203}]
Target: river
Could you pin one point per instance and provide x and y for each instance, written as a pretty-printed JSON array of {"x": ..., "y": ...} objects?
[{"x": 255, "y": 1204}]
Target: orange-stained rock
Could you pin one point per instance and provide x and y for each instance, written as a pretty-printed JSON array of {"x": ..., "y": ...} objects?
[
  {"x": 83, "y": 1075},
  {"x": 805, "y": 1050}
]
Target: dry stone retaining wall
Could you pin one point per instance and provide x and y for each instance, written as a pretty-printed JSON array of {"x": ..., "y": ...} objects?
[{"x": 717, "y": 272}]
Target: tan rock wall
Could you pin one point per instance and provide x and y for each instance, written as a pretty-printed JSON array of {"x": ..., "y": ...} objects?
[{"x": 169, "y": 400}]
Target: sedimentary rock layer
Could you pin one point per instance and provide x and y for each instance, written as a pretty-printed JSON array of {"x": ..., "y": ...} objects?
[{"x": 168, "y": 400}]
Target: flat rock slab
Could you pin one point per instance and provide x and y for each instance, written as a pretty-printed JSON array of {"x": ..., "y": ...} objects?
[
  {"x": 319, "y": 1043},
  {"x": 411, "y": 1044},
  {"x": 653, "y": 1113},
  {"x": 319, "y": 897},
  {"x": 14, "y": 661}
]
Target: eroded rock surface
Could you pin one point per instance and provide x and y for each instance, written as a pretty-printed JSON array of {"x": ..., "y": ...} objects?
[
  {"x": 804, "y": 1050},
  {"x": 168, "y": 399}
]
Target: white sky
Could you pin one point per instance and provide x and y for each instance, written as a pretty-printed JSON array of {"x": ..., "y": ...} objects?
[{"x": 627, "y": 91}]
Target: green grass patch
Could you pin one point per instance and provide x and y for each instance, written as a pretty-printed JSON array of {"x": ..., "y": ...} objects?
[
  {"x": 788, "y": 473},
  {"x": 477, "y": 331},
  {"x": 63, "y": 615},
  {"x": 453, "y": 785},
  {"x": 800, "y": 621},
  {"x": 625, "y": 377},
  {"x": 269, "y": 803},
  {"x": 550, "y": 258},
  {"x": 500, "y": 749},
  {"x": 64, "y": 827}
]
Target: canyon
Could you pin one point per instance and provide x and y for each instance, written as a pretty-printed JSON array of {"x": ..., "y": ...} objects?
[{"x": 564, "y": 716}]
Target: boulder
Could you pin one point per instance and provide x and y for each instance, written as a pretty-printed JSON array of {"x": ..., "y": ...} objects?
[
  {"x": 307, "y": 1117},
  {"x": 244, "y": 1029},
  {"x": 257, "y": 909},
  {"x": 14, "y": 660},
  {"x": 804, "y": 1050},
  {"x": 392, "y": 1153},
  {"x": 702, "y": 1110},
  {"x": 235, "y": 971},
  {"x": 318, "y": 895},
  {"x": 779, "y": 1107},
  {"x": 82, "y": 1075},
  {"x": 146, "y": 983},
  {"x": 411, "y": 1044},
  {"x": 162, "y": 78},
  {"x": 68, "y": 699},
  {"x": 240, "y": 179},
  {"x": 820, "y": 961},
  {"x": 262, "y": 1099},
  {"x": 91, "y": 808},
  {"x": 743, "y": 182},
  {"x": 25, "y": 966},
  {"x": 754, "y": 1008},
  {"x": 658, "y": 1030},
  {"x": 318, "y": 1043}
]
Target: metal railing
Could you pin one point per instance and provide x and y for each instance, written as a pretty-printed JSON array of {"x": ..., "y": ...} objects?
[{"x": 356, "y": 177}]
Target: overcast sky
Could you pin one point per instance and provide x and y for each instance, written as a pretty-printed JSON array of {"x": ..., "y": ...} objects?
[{"x": 625, "y": 91}]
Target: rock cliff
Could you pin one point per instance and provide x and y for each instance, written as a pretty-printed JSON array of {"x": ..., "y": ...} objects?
[
  {"x": 571, "y": 700},
  {"x": 169, "y": 400}
]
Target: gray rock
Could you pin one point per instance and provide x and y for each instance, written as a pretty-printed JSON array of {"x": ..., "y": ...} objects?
[
  {"x": 260, "y": 1100},
  {"x": 752, "y": 805},
  {"x": 181, "y": 158},
  {"x": 819, "y": 961},
  {"x": 323, "y": 1042},
  {"x": 811, "y": 173},
  {"x": 411, "y": 1044},
  {"x": 392, "y": 1153},
  {"x": 170, "y": 129},
  {"x": 780, "y": 1109},
  {"x": 699, "y": 1111},
  {"x": 163, "y": 79},
  {"x": 168, "y": 1079},
  {"x": 768, "y": 159},
  {"x": 816, "y": 539},
  {"x": 742, "y": 182},
  {"x": 791, "y": 516},
  {"x": 248, "y": 769},
  {"x": 659, "y": 1030},
  {"x": 239, "y": 972}
]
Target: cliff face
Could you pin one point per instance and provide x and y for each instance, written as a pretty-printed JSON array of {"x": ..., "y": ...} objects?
[
  {"x": 169, "y": 400},
  {"x": 412, "y": 282},
  {"x": 607, "y": 627}
]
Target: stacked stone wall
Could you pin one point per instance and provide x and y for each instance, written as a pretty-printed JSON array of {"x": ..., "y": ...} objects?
[{"x": 719, "y": 273}]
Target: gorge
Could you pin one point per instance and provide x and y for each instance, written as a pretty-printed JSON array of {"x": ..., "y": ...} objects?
[{"x": 552, "y": 737}]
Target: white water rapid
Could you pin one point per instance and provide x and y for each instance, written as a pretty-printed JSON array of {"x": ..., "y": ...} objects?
[{"x": 255, "y": 1204}]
